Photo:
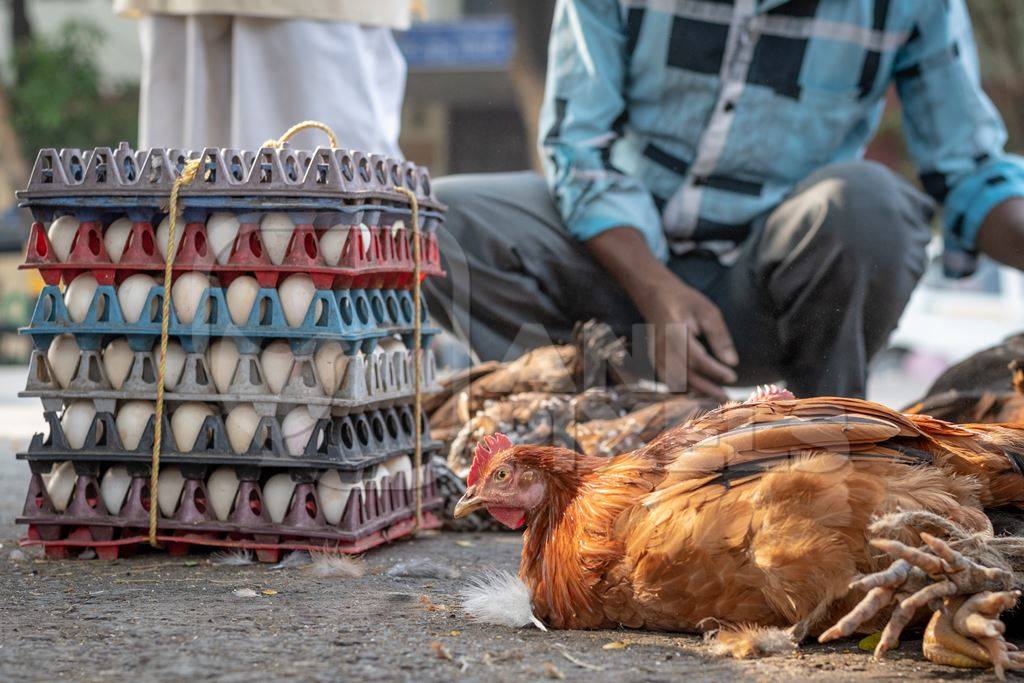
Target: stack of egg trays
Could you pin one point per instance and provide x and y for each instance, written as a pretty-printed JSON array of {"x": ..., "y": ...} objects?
[{"x": 357, "y": 302}]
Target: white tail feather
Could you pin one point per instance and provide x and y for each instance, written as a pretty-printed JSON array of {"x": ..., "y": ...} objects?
[
  {"x": 232, "y": 558},
  {"x": 499, "y": 598},
  {"x": 330, "y": 564}
]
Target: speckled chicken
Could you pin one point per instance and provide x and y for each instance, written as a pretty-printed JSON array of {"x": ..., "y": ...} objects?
[
  {"x": 761, "y": 514},
  {"x": 602, "y": 422}
]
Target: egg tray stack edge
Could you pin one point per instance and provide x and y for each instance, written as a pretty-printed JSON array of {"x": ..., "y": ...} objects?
[{"x": 360, "y": 300}]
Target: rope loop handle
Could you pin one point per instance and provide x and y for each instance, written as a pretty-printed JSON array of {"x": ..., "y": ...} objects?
[
  {"x": 188, "y": 175},
  {"x": 299, "y": 127}
]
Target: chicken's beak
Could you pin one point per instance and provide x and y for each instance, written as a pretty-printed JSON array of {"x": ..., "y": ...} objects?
[{"x": 467, "y": 504}]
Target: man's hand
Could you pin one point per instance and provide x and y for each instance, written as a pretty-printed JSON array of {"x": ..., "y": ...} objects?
[
  {"x": 679, "y": 315},
  {"x": 1002, "y": 233}
]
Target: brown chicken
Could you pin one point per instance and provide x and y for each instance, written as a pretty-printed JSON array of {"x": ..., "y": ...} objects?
[{"x": 762, "y": 514}]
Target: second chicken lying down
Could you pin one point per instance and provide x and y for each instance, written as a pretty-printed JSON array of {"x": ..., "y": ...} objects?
[{"x": 760, "y": 514}]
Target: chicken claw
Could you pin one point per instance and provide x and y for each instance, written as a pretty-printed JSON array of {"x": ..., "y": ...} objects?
[{"x": 967, "y": 599}]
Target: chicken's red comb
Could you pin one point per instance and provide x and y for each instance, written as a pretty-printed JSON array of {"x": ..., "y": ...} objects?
[
  {"x": 770, "y": 392},
  {"x": 485, "y": 450}
]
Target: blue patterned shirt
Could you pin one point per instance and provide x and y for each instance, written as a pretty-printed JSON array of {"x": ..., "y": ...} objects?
[{"x": 689, "y": 119}]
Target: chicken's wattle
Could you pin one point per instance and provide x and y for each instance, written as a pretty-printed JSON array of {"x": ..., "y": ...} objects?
[{"x": 513, "y": 518}]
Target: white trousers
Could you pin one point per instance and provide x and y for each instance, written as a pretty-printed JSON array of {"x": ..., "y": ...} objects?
[{"x": 229, "y": 81}]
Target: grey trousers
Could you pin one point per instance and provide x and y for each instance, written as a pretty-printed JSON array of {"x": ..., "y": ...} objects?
[{"x": 817, "y": 289}]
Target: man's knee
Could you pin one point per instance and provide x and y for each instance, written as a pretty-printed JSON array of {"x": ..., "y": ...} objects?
[
  {"x": 462, "y": 194},
  {"x": 876, "y": 217}
]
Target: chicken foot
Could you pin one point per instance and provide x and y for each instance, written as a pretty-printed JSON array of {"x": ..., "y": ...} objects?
[{"x": 966, "y": 596}]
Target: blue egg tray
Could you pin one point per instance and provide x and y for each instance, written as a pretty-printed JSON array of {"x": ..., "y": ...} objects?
[{"x": 356, "y": 318}]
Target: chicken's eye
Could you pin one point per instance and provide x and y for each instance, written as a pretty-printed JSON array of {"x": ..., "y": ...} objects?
[{"x": 501, "y": 475}]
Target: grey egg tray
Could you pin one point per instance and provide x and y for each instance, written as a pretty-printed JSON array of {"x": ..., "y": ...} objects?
[
  {"x": 147, "y": 176},
  {"x": 374, "y": 380},
  {"x": 349, "y": 442}
]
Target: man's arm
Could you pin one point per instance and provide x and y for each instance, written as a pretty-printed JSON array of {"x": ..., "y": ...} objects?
[
  {"x": 1002, "y": 233},
  {"x": 957, "y": 137},
  {"x": 679, "y": 315},
  {"x": 612, "y": 213},
  {"x": 580, "y": 120}
]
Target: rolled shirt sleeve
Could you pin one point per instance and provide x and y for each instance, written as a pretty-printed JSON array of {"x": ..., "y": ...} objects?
[
  {"x": 582, "y": 116},
  {"x": 952, "y": 129}
]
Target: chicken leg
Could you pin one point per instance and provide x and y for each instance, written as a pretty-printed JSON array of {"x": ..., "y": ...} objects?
[{"x": 966, "y": 596}]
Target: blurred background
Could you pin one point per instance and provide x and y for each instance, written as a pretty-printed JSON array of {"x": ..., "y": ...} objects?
[{"x": 476, "y": 76}]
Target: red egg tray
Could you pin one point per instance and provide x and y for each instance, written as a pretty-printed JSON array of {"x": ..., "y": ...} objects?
[
  {"x": 387, "y": 264},
  {"x": 368, "y": 519},
  {"x": 266, "y": 548}
]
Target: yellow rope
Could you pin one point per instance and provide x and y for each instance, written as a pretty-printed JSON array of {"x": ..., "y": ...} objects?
[
  {"x": 187, "y": 176},
  {"x": 417, "y": 306},
  {"x": 298, "y": 127}
]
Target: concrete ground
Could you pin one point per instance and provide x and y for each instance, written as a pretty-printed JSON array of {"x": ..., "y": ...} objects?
[{"x": 156, "y": 618}]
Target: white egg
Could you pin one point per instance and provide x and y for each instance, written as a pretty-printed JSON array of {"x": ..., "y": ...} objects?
[
  {"x": 117, "y": 361},
  {"x": 401, "y": 464},
  {"x": 222, "y": 358},
  {"x": 366, "y": 238},
  {"x": 332, "y": 243},
  {"x": 169, "y": 486},
  {"x": 163, "y": 232},
  {"x": 62, "y": 234},
  {"x": 331, "y": 363},
  {"x": 276, "y": 362},
  {"x": 116, "y": 237},
  {"x": 131, "y": 421},
  {"x": 78, "y": 296},
  {"x": 76, "y": 421},
  {"x": 277, "y": 496},
  {"x": 114, "y": 487},
  {"x": 221, "y": 487},
  {"x": 390, "y": 344},
  {"x": 60, "y": 484},
  {"x": 296, "y": 293},
  {"x": 63, "y": 356},
  {"x": 221, "y": 230},
  {"x": 185, "y": 293},
  {"x": 186, "y": 421},
  {"x": 132, "y": 294},
  {"x": 297, "y": 428},
  {"x": 175, "y": 363},
  {"x": 379, "y": 477},
  {"x": 241, "y": 424},
  {"x": 241, "y": 296},
  {"x": 333, "y": 494},
  {"x": 276, "y": 231}
]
